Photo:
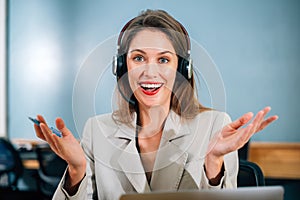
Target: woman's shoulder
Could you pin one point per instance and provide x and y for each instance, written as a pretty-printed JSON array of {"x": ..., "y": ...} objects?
[
  {"x": 105, "y": 118},
  {"x": 213, "y": 114},
  {"x": 102, "y": 123}
]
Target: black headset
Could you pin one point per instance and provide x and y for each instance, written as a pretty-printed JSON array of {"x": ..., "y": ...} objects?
[{"x": 119, "y": 65}]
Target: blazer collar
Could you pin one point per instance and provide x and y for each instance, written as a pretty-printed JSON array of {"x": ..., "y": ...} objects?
[
  {"x": 127, "y": 131},
  {"x": 170, "y": 160},
  {"x": 174, "y": 128}
]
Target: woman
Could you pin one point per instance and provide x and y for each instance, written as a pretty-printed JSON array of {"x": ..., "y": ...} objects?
[{"x": 161, "y": 137}]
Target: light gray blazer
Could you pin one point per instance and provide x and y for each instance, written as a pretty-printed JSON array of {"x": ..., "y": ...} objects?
[{"x": 114, "y": 166}]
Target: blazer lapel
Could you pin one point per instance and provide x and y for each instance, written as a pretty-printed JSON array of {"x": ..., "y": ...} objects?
[
  {"x": 171, "y": 158},
  {"x": 130, "y": 161},
  {"x": 168, "y": 168},
  {"x": 131, "y": 165}
]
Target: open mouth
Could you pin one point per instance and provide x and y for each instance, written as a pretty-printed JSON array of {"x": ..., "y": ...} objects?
[{"x": 151, "y": 88}]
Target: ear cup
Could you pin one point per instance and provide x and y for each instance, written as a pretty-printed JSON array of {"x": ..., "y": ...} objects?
[
  {"x": 119, "y": 65},
  {"x": 185, "y": 67}
]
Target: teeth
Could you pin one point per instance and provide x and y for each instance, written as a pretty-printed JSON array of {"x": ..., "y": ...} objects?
[{"x": 154, "y": 85}]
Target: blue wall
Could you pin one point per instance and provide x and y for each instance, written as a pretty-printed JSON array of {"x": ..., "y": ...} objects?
[{"x": 254, "y": 44}]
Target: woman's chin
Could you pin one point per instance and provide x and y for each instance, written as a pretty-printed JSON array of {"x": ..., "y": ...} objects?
[{"x": 150, "y": 103}]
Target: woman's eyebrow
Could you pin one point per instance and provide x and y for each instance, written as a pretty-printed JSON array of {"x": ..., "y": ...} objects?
[
  {"x": 164, "y": 52},
  {"x": 139, "y": 50},
  {"x": 160, "y": 53}
]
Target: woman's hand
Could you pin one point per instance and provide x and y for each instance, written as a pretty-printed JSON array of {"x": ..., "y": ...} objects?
[
  {"x": 232, "y": 137},
  {"x": 67, "y": 147}
]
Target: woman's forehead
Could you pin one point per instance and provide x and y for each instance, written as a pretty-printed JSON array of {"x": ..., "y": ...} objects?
[{"x": 151, "y": 39}]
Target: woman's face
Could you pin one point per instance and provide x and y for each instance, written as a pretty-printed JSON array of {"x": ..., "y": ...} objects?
[{"x": 152, "y": 65}]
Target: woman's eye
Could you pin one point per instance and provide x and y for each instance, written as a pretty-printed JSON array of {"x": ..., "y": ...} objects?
[
  {"x": 163, "y": 60},
  {"x": 139, "y": 58}
]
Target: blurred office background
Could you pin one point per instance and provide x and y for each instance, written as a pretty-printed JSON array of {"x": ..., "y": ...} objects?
[{"x": 254, "y": 45}]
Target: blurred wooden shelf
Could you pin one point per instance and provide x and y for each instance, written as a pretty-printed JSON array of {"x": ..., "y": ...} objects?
[
  {"x": 31, "y": 164},
  {"x": 26, "y": 147},
  {"x": 277, "y": 160}
]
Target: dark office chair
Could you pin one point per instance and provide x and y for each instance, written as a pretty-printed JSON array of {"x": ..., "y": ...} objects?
[
  {"x": 51, "y": 169},
  {"x": 11, "y": 167},
  {"x": 244, "y": 151},
  {"x": 249, "y": 174}
]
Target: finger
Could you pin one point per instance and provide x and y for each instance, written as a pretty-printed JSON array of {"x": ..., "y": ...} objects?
[
  {"x": 259, "y": 118},
  {"x": 266, "y": 122},
  {"x": 238, "y": 140},
  {"x": 38, "y": 128},
  {"x": 244, "y": 135},
  {"x": 38, "y": 132},
  {"x": 47, "y": 133},
  {"x": 56, "y": 144},
  {"x": 41, "y": 119},
  {"x": 240, "y": 121},
  {"x": 60, "y": 124},
  {"x": 266, "y": 110},
  {"x": 248, "y": 133}
]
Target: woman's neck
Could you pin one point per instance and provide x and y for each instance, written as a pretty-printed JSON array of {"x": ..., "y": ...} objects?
[
  {"x": 152, "y": 120},
  {"x": 149, "y": 135}
]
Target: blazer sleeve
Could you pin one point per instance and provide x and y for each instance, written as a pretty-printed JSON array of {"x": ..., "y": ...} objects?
[
  {"x": 229, "y": 180},
  {"x": 87, "y": 188}
]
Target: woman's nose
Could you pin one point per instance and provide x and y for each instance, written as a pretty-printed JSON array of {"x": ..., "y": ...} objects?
[{"x": 151, "y": 69}]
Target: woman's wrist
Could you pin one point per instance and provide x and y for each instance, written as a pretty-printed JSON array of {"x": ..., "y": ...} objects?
[
  {"x": 214, "y": 169},
  {"x": 76, "y": 173},
  {"x": 74, "y": 178}
]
